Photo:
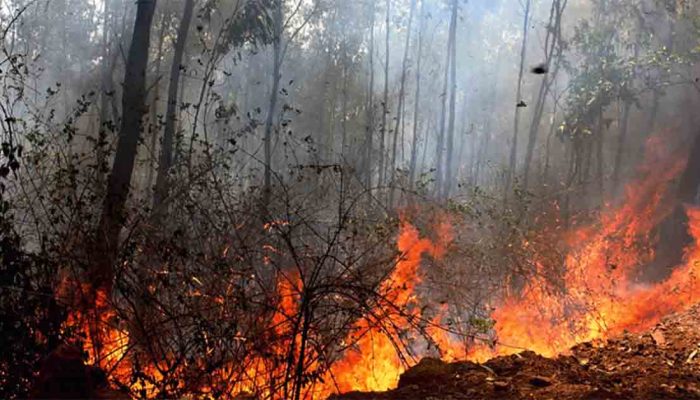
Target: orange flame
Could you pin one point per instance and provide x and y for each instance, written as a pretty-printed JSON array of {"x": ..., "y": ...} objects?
[
  {"x": 600, "y": 298},
  {"x": 373, "y": 365}
]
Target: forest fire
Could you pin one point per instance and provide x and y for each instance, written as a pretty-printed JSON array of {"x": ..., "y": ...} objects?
[
  {"x": 299, "y": 199},
  {"x": 600, "y": 298}
]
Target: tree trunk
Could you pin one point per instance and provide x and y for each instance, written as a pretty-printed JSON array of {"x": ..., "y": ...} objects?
[
  {"x": 475, "y": 140},
  {"x": 440, "y": 146},
  {"x": 106, "y": 90},
  {"x": 416, "y": 106},
  {"x": 574, "y": 150},
  {"x": 277, "y": 59},
  {"x": 470, "y": 133},
  {"x": 154, "y": 127},
  {"x": 329, "y": 148},
  {"x": 399, "y": 108},
  {"x": 621, "y": 142},
  {"x": 428, "y": 130},
  {"x": 516, "y": 120},
  {"x": 385, "y": 105},
  {"x": 179, "y": 139},
  {"x": 483, "y": 153},
  {"x": 453, "y": 102},
  {"x": 166, "y": 153},
  {"x": 552, "y": 43},
  {"x": 134, "y": 108},
  {"x": 600, "y": 160},
  {"x": 548, "y": 147},
  {"x": 344, "y": 103},
  {"x": 369, "y": 134}
]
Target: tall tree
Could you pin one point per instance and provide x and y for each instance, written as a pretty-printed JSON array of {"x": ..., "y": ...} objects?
[
  {"x": 134, "y": 108},
  {"x": 166, "y": 153},
  {"x": 385, "y": 103},
  {"x": 554, "y": 50},
  {"x": 106, "y": 88},
  {"x": 402, "y": 90},
  {"x": 621, "y": 141},
  {"x": 280, "y": 44},
  {"x": 154, "y": 124},
  {"x": 440, "y": 146},
  {"x": 510, "y": 172},
  {"x": 449, "y": 168},
  {"x": 416, "y": 105},
  {"x": 369, "y": 133},
  {"x": 345, "y": 72},
  {"x": 274, "y": 94}
]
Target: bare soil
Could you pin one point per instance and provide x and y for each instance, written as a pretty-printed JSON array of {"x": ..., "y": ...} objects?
[{"x": 663, "y": 363}]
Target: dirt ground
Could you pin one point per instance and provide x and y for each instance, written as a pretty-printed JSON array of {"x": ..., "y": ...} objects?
[{"x": 663, "y": 363}]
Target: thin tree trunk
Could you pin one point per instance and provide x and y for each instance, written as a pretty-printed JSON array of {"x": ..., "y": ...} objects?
[
  {"x": 600, "y": 160},
  {"x": 552, "y": 43},
  {"x": 178, "y": 139},
  {"x": 325, "y": 114},
  {"x": 320, "y": 139},
  {"x": 369, "y": 134},
  {"x": 106, "y": 90},
  {"x": 621, "y": 143},
  {"x": 166, "y": 153},
  {"x": 385, "y": 105},
  {"x": 547, "y": 157},
  {"x": 440, "y": 145},
  {"x": 344, "y": 103},
  {"x": 483, "y": 153},
  {"x": 516, "y": 120},
  {"x": 468, "y": 170},
  {"x": 585, "y": 172},
  {"x": 624, "y": 127},
  {"x": 453, "y": 102},
  {"x": 473, "y": 137},
  {"x": 277, "y": 56},
  {"x": 332, "y": 119},
  {"x": 658, "y": 92},
  {"x": 134, "y": 108},
  {"x": 399, "y": 108},
  {"x": 403, "y": 132},
  {"x": 155, "y": 122},
  {"x": 464, "y": 168},
  {"x": 416, "y": 106},
  {"x": 428, "y": 129},
  {"x": 571, "y": 155}
]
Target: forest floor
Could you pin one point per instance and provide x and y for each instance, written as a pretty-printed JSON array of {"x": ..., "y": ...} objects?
[{"x": 663, "y": 363}]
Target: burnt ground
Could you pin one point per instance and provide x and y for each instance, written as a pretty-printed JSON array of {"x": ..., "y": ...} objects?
[{"x": 663, "y": 363}]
